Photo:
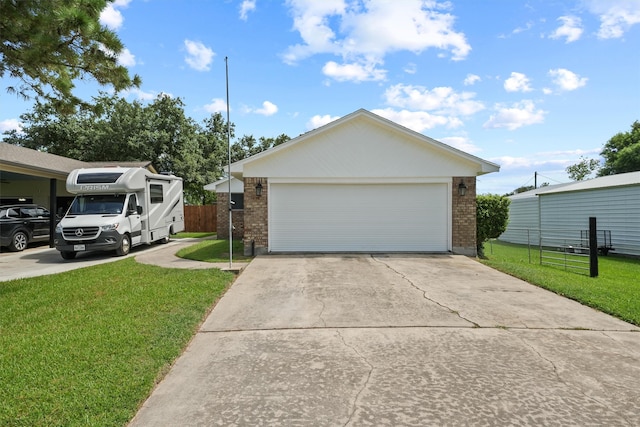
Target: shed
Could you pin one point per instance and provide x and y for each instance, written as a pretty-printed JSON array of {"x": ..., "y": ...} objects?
[
  {"x": 613, "y": 200},
  {"x": 361, "y": 184}
]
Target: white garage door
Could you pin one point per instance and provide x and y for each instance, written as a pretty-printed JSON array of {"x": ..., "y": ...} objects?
[{"x": 358, "y": 217}]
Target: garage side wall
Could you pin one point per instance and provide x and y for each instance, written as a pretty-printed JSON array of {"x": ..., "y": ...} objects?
[
  {"x": 256, "y": 217},
  {"x": 463, "y": 217},
  {"x": 222, "y": 218}
]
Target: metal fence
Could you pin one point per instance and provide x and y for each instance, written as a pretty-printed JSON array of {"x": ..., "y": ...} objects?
[{"x": 571, "y": 250}]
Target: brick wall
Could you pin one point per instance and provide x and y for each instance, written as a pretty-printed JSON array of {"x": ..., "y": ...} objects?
[
  {"x": 222, "y": 217},
  {"x": 464, "y": 217},
  {"x": 256, "y": 216}
]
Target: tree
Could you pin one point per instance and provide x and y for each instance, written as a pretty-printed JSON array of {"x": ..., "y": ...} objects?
[
  {"x": 48, "y": 44},
  {"x": 492, "y": 217},
  {"x": 114, "y": 129},
  {"x": 622, "y": 152},
  {"x": 583, "y": 169},
  {"x": 248, "y": 146}
]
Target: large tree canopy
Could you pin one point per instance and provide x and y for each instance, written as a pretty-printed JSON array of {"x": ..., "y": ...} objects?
[
  {"x": 114, "y": 129},
  {"x": 48, "y": 44},
  {"x": 622, "y": 152}
]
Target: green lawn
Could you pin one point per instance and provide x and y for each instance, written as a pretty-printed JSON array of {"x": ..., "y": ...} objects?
[
  {"x": 86, "y": 347},
  {"x": 213, "y": 251},
  {"x": 615, "y": 291},
  {"x": 192, "y": 234}
]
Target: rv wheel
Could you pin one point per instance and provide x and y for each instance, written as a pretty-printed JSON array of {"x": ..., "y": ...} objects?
[
  {"x": 125, "y": 246},
  {"x": 68, "y": 254}
]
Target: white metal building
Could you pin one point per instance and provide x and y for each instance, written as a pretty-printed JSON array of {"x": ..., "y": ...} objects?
[{"x": 614, "y": 201}]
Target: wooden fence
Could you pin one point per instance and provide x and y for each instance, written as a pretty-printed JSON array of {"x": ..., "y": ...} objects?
[{"x": 200, "y": 218}]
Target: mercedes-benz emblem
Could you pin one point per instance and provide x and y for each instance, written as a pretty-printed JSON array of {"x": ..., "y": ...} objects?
[{"x": 79, "y": 232}]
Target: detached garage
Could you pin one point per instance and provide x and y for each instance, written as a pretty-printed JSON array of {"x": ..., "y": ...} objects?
[{"x": 360, "y": 184}]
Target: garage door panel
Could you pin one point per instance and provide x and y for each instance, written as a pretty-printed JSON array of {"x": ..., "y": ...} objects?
[{"x": 358, "y": 217}]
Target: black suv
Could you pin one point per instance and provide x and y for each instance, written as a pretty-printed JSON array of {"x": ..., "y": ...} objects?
[{"x": 23, "y": 224}]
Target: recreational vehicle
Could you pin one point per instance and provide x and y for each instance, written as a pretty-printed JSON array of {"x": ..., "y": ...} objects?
[{"x": 119, "y": 208}]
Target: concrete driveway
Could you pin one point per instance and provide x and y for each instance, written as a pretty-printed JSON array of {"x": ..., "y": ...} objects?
[{"x": 398, "y": 340}]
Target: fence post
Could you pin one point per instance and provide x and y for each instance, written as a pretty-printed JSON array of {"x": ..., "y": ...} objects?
[{"x": 593, "y": 247}]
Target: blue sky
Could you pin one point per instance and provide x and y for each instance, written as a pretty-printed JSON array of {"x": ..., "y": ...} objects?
[{"x": 531, "y": 85}]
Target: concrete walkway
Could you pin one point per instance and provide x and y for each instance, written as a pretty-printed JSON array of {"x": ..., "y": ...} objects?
[{"x": 398, "y": 340}]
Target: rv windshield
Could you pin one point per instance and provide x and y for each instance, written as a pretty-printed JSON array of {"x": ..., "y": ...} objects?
[{"x": 98, "y": 204}]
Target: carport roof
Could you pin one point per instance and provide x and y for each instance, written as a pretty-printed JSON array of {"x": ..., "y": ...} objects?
[{"x": 26, "y": 161}]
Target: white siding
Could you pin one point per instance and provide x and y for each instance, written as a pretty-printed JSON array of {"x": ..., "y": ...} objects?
[
  {"x": 616, "y": 209},
  {"x": 360, "y": 148},
  {"x": 359, "y": 217},
  {"x": 523, "y": 221}
]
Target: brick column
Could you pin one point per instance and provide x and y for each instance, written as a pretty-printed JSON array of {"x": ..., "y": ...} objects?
[
  {"x": 222, "y": 218},
  {"x": 463, "y": 217},
  {"x": 256, "y": 216}
]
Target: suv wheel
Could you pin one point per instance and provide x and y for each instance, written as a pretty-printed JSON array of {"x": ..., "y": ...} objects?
[{"x": 19, "y": 241}]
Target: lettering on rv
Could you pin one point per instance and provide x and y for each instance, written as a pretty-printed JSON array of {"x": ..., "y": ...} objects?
[{"x": 93, "y": 187}]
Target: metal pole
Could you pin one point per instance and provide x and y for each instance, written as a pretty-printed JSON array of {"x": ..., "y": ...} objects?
[
  {"x": 226, "y": 63},
  {"x": 593, "y": 247}
]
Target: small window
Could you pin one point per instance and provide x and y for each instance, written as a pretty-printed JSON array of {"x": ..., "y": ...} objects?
[
  {"x": 133, "y": 204},
  {"x": 98, "y": 178},
  {"x": 156, "y": 193},
  {"x": 237, "y": 201}
]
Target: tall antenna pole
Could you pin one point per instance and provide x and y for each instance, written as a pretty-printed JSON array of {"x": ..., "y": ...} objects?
[{"x": 226, "y": 64}]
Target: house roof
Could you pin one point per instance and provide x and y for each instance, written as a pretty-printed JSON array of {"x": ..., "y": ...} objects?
[
  {"x": 222, "y": 186},
  {"x": 16, "y": 159},
  {"x": 483, "y": 166},
  {"x": 27, "y": 161},
  {"x": 620, "y": 180}
]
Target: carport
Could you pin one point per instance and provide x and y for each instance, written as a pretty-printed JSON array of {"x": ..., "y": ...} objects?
[{"x": 31, "y": 176}]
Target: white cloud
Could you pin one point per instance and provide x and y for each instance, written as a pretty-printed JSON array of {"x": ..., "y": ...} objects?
[
  {"x": 246, "y": 7},
  {"x": 411, "y": 68},
  {"x": 471, "y": 79},
  {"x": 518, "y": 82},
  {"x": 520, "y": 114},
  {"x": 353, "y": 72},
  {"x": 364, "y": 33},
  {"x": 217, "y": 105},
  {"x": 571, "y": 28},
  {"x": 441, "y": 100},
  {"x": 418, "y": 121},
  {"x": 317, "y": 121},
  {"x": 461, "y": 143},
  {"x": 111, "y": 17},
  {"x": 268, "y": 109},
  {"x": 567, "y": 80},
  {"x": 10, "y": 124},
  {"x": 199, "y": 56},
  {"x": 141, "y": 95},
  {"x": 616, "y": 17},
  {"x": 126, "y": 58}
]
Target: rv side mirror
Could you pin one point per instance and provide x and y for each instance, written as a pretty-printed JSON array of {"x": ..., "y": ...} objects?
[{"x": 139, "y": 210}]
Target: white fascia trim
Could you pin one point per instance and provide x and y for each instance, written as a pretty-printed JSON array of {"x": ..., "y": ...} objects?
[{"x": 376, "y": 180}]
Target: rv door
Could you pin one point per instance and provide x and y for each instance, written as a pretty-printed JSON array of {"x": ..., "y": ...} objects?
[{"x": 133, "y": 214}]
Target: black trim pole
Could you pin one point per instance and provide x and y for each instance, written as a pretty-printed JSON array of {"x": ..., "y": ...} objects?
[
  {"x": 53, "y": 209},
  {"x": 593, "y": 247}
]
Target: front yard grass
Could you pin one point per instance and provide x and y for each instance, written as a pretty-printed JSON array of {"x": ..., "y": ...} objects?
[
  {"x": 86, "y": 347},
  {"x": 615, "y": 291},
  {"x": 213, "y": 251}
]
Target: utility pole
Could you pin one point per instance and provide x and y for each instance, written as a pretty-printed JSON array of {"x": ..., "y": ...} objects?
[
  {"x": 535, "y": 180},
  {"x": 226, "y": 64}
]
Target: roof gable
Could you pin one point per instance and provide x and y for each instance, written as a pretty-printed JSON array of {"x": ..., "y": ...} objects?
[{"x": 363, "y": 145}]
